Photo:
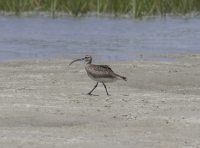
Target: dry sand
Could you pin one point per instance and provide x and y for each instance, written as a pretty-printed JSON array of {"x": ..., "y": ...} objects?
[{"x": 42, "y": 105}]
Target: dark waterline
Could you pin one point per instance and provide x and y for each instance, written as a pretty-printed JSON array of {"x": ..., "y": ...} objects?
[{"x": 112, "y": 39}]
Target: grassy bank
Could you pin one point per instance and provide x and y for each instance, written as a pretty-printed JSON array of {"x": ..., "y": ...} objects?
[{"x": 135, "y": 8}]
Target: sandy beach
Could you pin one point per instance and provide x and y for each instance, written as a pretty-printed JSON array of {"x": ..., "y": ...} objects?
[{"x": 42, "y": 105}]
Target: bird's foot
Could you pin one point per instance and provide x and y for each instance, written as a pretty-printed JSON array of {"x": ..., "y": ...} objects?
[{"x": 89, "y": 94}]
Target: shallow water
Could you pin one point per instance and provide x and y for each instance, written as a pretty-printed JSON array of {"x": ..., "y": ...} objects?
[{"x": 112, "y": 39}]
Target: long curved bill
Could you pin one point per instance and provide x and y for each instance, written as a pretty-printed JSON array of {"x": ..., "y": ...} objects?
[{"x": 76, "y": 61}]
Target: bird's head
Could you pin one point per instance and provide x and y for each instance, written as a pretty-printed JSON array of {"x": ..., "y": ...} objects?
[{"x": 87, "y": 59}]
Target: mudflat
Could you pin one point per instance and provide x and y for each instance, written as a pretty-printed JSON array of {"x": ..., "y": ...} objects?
[{"x": 42, "y": 105}]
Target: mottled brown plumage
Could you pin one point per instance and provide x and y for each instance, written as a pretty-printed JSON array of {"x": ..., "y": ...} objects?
[{"x": 99, "y": 73}]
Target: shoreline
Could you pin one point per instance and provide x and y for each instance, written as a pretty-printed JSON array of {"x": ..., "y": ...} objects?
[
  {"x": 101, "y": 59},
  {"x": 42, "y": 104}
]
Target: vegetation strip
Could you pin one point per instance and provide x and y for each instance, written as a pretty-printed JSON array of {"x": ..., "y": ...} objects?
[{"x": 134, "y": 8}]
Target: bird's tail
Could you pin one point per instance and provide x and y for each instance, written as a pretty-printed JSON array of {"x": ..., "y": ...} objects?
[{"x": 122, "y": 77}]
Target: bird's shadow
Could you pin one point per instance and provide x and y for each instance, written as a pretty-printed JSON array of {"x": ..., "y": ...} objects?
[
  {"x": 125, "y": 95},
  {"x": 89, "y": 94}
]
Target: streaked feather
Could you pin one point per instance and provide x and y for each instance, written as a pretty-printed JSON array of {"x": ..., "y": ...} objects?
[{"x": 101, "y": 71}]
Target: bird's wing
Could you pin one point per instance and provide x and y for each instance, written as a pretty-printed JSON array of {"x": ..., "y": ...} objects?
[
  {"x": 101, "y": 71},
  {"x": 105, "y": 67}
]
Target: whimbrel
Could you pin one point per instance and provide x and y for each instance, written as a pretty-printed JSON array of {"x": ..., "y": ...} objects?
[{"x": 99, "y": 73}]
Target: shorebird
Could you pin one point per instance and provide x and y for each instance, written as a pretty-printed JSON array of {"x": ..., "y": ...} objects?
[{"x": 99, "y": 73}]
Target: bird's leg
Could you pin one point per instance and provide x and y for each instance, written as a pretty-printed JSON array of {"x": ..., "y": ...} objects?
[
  {"x": 105, "y": 89},
  {"x": 92, "y": 89}
]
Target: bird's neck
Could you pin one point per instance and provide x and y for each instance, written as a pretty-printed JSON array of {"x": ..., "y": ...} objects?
[{"x": 88, "y": 62}]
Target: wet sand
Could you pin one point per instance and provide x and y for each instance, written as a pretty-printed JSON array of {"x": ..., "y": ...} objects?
[{"x": 42, "y": 105}]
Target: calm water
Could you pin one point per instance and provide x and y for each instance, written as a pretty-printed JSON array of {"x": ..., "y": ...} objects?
[{"x": 110, "y": 38}]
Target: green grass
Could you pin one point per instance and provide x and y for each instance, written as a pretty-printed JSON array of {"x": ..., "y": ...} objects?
[{"x": 135, "y": 8}]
